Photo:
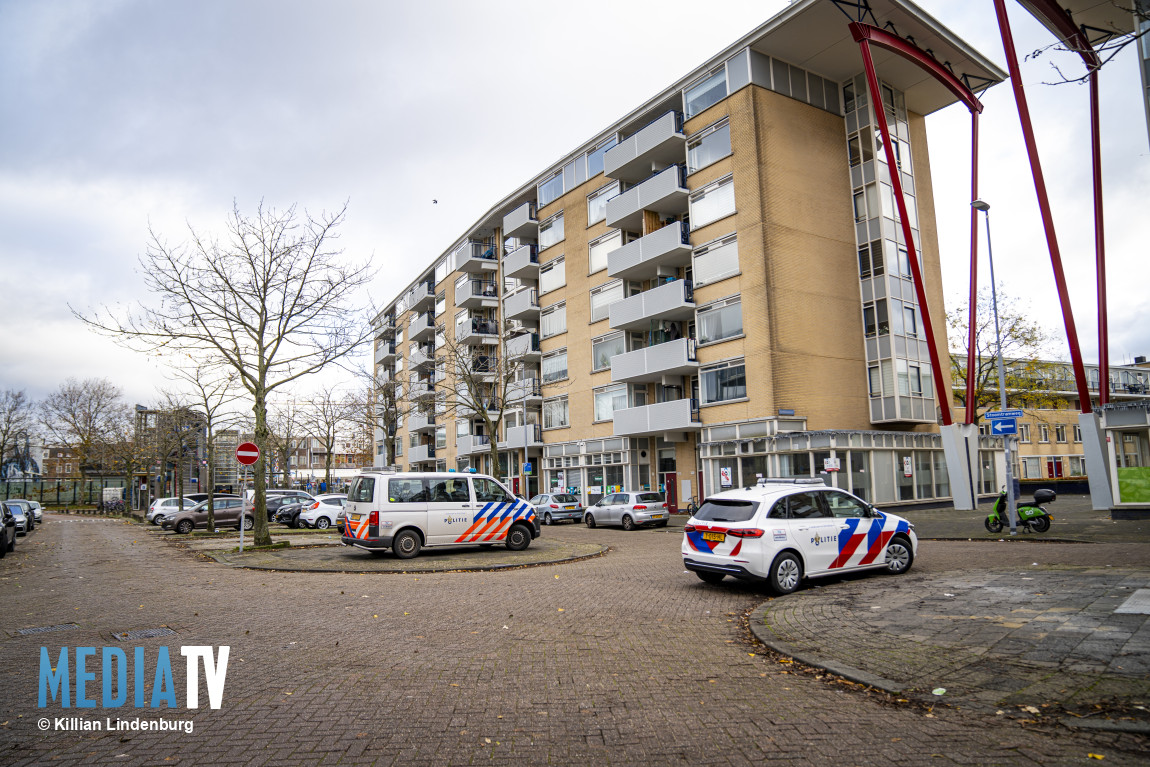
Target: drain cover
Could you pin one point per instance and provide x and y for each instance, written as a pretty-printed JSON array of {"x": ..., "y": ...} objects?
[
  {"x": 1138, "y": 603},
  {"x": 46, "y": 629},
  {"x": 125, "y": 636}
]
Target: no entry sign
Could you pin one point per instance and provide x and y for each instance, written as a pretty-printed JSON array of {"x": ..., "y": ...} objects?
[{"x": 247, "y": 453}]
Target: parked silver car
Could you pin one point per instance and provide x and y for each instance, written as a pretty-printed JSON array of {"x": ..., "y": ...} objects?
[
  {"x": 556, "y": 507},
  {"x": 629, "y": 510}
]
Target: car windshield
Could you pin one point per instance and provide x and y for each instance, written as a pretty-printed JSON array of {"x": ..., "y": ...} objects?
[
  {"x": 724, "y": 510},
  {"x": 565, "y": 499}
]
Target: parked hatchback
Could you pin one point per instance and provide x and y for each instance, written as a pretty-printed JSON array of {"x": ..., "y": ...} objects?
[
  {"x": 23, "y": 523},
  {"x": 322, "y": 514},
  {"x": 629, "y": 510},
  {"x": 162, "y": 507},
  {"x": 556, "y": 507},
  {"x": 26, "y": 507},
  {"x": 7, "y": 531}
]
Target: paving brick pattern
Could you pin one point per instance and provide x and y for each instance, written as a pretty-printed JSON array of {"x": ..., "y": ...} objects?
[{"x": 619, "y": 659}]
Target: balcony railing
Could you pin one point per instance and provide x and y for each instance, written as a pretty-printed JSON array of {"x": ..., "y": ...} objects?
[
  {"x": 474, "y": 294},
  {"x": 670, "y": 302},
  {"x": 521, "y": 222},
  {"x": 422, "y": 296},
  {"x": 526, "y": 388},
  {"x": 421, "y": 355},
  {"x": 475, "y": 257},
  {"x": 640, "y": 259},
  {"x": 659, "y": 142},
  {"x": 421, "y": 454},
  {"x": 530, "y": 435},
  {"x": 422, "y": 326},
  {"x": 522, "y": 305},
  {"x": 478, "y": 330},
  {"x": 525, "y": 346},
  {"x": 385, "y": 352},
  {"x": 672, "y": 358},
  {"x": 523, "y": 262},
  {"x": 664, "y": 193},
  {"x": 659, "y": 418}
]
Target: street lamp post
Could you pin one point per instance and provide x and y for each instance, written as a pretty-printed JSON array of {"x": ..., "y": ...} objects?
[{"x": 1011, "y": 501}]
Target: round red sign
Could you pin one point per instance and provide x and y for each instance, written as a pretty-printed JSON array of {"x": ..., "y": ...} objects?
[{"x": 247, "y": 453}]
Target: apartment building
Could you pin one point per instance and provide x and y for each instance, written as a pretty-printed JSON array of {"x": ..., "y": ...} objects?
[
  {"x": 1049, "y": 442},
  {"x": 714, "y": 288}
]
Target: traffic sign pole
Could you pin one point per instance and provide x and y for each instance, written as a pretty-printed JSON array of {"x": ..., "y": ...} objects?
[{"x": 247, "y": 453}]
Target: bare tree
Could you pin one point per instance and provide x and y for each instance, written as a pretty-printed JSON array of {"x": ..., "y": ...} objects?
[
  {"x": 180, "y": 430},
  {"x": 378, "y": 405},
  {"x": 284, "y": 435},
  {"x": 1106, "y": 43},
  {"x": 80, "y": 416},
  {"x": 274, "y": 301},
  {"x": 16, "y": 425},
  {"x": 124, "y": 452},
  {"x": 1030, "y": 381},
  {"x": 324, "y": 415},
  {"x": 212, "y": 389}
]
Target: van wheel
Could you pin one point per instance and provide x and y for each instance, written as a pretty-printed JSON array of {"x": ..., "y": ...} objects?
[
  {"x": 406, "y": 545},
  {"x": 590, "y": 520},
  {"x": 518, "y": 538}
]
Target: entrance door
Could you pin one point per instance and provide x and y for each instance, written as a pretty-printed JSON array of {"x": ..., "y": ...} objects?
[
  {"x": 671, "y": 494},
  {"x": 1054, "y": 468}
]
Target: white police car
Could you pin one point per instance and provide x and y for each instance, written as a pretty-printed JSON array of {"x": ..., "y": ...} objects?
[{"x": 781, "y": 531}]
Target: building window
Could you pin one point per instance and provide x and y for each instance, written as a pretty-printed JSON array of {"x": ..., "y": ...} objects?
[
  {"x": 553, "y": 320},
  {"x": 874, "y": 381},
  {"x": 551, "y": 189},
  {"x": 709, "y": 145},
  {"x": 67, "y": 469},
  {"x": 398, "y": 447},
  {"x": 608, "y": 400},
  {"x": 555, "y": 413},
  {"x": 441, "y": 271},
  {"x": 1077, "y": 433},
  {"x": 1060, "y": 432},
  {"x": 602, "y": 297},
  {"x": 910, "y": 321},
  {"x": 720, "y": 320},
  {"x": 1043, "y": 433},
  {"x": 552, "y": 275},
  {"x": 904, "y": 263},
  {"x": 597, "y": 202},
  {"x": 598, "y": 249},
  {"x": 909, "y": 378},
  {"x": 441, "y": 436},
  {"x": 710, "y": 91},
  {"x": 712, "y": 202},
  {"x": 716, "y": 260},
  {"x": 604, "y": 348},
  {"x": 595, "y": 158},
  {"x": 723, "y": 382},
  {"x": 551, "y": 231},
  {"x": 1024, "y": 432},
  {"x": 870, "y": 260},
  {"x": 554, "y": 366},
  {"x": 875, "y": 321}
]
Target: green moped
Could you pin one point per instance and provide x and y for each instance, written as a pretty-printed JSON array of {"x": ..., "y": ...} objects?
[{"x": 1030, "y": 515}]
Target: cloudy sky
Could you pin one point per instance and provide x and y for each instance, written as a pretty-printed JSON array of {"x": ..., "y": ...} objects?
[{"x": 124, "y": 114}]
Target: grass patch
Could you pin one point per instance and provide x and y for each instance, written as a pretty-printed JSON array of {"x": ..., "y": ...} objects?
[{"x": 279, "y": 545}]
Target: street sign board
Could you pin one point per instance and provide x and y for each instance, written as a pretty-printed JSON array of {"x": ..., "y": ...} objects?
[
  {"x": 527, "y": 468},
  {"x": 995, "y": 415},
  {"x": 1004, "y": 426},
  {"x": 247, "y": 453}
]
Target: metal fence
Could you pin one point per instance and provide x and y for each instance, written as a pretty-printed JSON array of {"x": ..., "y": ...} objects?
[{"x": 59, "y": 492}]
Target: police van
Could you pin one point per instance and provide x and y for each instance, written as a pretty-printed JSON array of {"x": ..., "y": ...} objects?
[{"x": 408, "y": 511}]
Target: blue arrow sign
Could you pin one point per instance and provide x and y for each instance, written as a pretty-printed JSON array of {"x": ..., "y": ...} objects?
[
  {"x": 1000, "y": 414},
  {"x": 1004, "y": 426}
]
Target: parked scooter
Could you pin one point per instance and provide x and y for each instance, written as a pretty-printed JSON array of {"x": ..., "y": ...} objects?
[{"x": 1030, "y": 515}]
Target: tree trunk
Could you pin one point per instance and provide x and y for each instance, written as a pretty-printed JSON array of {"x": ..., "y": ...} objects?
[
  {"x": 259, "y": 500},
  {"x": 211, "y": 487}
]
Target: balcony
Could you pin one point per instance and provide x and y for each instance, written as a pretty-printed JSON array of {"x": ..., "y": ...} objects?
[
  {"x": 672, "y": 358},
  {"x": 678, "y": 415},
  {"x": 660, "y": 142},
  {"x": 521, "y": 222},
  {"x": 475, "y": 257},
  {"x": 468, "y": 444},
  {"x": 385, "y": 353},
  {"x": 524, "y": 348},
  {"x": 522, "y": 305},
  {"x": 422, "y": 327},
  {"x": 664, "y": 193},
  {"x": 522, "y": 263},
  {"x": 478, "y": 330},
  {"x": 476, "y": 294},
  {"x": 422, "y": 296},
  {"x": 519, "y": 437},
  {"x": 669, "y": 247},
  {"x": 420, "y": 422},
  {"x": 419, "y": 356},
  {"x": 671, "y": 301},
  {"x": 524, "y": 389},
  {"x": 483, "y": 365},
  {"x": 421, "y": 454},
  {"x": 386, "y": 327},
  {"x": 421, "y": 389}
]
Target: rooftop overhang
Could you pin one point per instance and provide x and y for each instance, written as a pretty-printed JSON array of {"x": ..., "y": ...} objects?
[{"x": 815, "y": 35}]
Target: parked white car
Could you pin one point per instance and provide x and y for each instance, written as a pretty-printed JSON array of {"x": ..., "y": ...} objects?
[
  {"x": 162, "y": 506},
  {"x": 322, "y": 514}
]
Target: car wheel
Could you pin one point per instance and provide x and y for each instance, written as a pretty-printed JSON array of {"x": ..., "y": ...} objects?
[
  {"x": 590, "y": 520},
  {"x": 295, "y": 523},
  {"x": 249, "y": 522},
  {"x": 322, "y": 523},
  {"x": 406, "y": 545},
  {"x": 628, "y": 523},
  {"x": 518, "y": 538},
  {"x": 185, "y": 526},
  {"x": 786, "y": 572},
  {"x": 547, "y": 518},
  {"x": 711, "y": 578},
  {"x": 898, "y": 556}
]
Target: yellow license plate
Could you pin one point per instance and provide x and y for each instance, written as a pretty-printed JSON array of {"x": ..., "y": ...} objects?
[
  {"x": 568, "y": 508},
  {"x": 656, "y": 516},
  {"x": 355, "y": 517},
  {"x": 720, "y": 537}
]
